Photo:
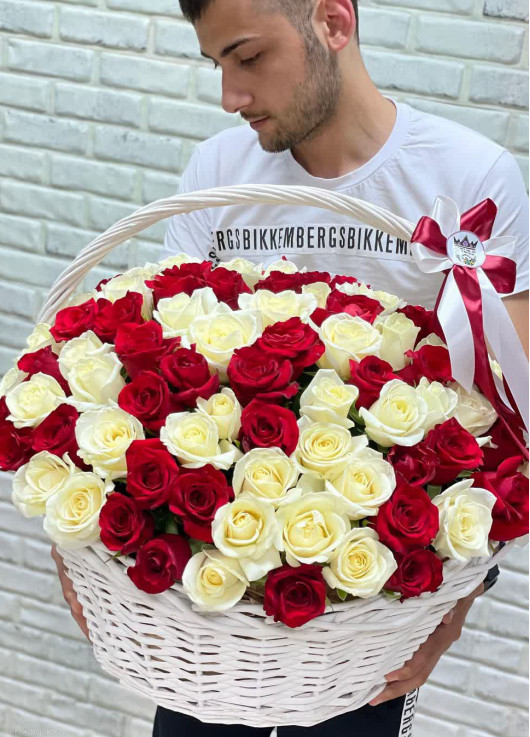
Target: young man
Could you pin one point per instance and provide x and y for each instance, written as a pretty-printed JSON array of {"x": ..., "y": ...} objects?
[{"x": 293, "y": 70}]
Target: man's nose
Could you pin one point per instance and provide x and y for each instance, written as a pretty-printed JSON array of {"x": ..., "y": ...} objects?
[{"x": 234, "y": 97}]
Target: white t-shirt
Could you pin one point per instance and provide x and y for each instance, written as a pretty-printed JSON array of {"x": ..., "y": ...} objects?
[{"x": 425, "y": 156}]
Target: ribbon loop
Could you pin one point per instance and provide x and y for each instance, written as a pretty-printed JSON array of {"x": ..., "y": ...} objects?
[{"x": 478, "y": 268}]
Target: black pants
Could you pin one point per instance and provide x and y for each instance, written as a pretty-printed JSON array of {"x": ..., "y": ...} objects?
[{"x": 390, "y": 719}]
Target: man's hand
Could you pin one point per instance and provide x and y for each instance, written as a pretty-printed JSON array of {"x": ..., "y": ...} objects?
[
  {"x": 69, "y": 594},
  {"x": 416, "y": 671}
]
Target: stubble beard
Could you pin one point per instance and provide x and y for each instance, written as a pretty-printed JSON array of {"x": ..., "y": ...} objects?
[{"x": 314, "y": 102}]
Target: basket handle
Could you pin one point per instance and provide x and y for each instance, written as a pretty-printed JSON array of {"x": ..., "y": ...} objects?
[{"x": 129, "y": 226}]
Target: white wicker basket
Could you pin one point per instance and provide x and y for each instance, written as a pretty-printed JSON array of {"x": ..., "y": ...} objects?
[{"x": 239, "y": 667}]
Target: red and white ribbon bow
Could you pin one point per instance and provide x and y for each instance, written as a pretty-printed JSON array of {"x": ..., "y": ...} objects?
[{"x": 478, "y": 269}]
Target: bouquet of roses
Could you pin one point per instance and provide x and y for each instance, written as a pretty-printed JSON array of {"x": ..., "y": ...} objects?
[{"x": 289, "y": 436}]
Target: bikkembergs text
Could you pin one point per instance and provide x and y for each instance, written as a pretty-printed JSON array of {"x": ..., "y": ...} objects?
[{"x": 307, "y": 238}]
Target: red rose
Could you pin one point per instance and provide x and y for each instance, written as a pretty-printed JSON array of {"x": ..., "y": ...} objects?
[
  {"x": 504, "y": 448},
  {"x": 416, "y": 465},
  {"x": 369, "y": 376},
  {"x": 510, "y": 513},
  {"x": 159, "y": 563},
  {"x": 254, "y": 373},
  {"x": 111, "y": 315},
  {"x": 179, "y": 279},
  {"x": 142, "y": 347},
  {"x": 74, "y": 321},
  {"x": 292, "y": 339},
  {"x": 431, "y": 361},
  {"x": 56, "y": 434},
  {"x": 265, "y": 425},
  {"x": 44, "y": 361},
  {"x": 147, "y": 397},
  {"x": 124, "y": 526},
  {"x": 456, "y": 448},
  {"x": 152, "y": 473},
  {"x": 277, "y": 281},
  {"x": 196, "y": 498},
  {"x": 342, "y": 280},
  {"x": 408, "y": 520},
  {"x": 422, "y": 318},
  {"x": 418, "y": 571},
  {"x": 188, "y": 372},
  {"x": 356, "y": 305},
  {"x": 227, "y": 286},
  {"x": 295, "y": 596},
  {"x": 15, "y": 444}
]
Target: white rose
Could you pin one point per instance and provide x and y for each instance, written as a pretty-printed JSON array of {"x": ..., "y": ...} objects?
[
  {"x": 431, "y": 339},
  {"x": 473, "y": 411},
  {"x": 81, "y": 297},
  {"x": 193, "y": 437},
  {"x": 361, "y": 565},
  {"x": 397, "y": 417},
  {"x": 346, "y": 338},
  {"x": 96, "y": 382},
  {"x": 72, "y": 514},
  {"x": 318, "y": 289},
  {"x": 311, "y": 527},
  {"x": 266, "y": 474},
  {"x": 399, "y": 336},
  {"x": 78, "y": 349},
  {"x": 177, "y": 260},
  {"x": 323, "y": 449},
  {"x": 12, "y": 378},
  {"x": 103, "y": 436},
  {"x": 246, "y": 529},
  {"x": 213, "y": 581},
  {"x": 278, "y": 307},
  {"x": 495, "y": 367},
  {"x": 250, "y": 271},
  {"x": 441, "y": 402},
  {"x": 328, "y": 399},
  {"x": 283, "y": 265},
  {"x": 38, "y": 480},
  {"x": 218, "y": 334},
  {"x": 225, "y": 410},
  {"x": 465, "y": 521},
  {"x": 176, "y": 314},
  {"x": 132, "y": 280},
  {"x": 32, "y": 401},
  {"x": 365, "y": 484},
  {"x": 41, "y": 337}
]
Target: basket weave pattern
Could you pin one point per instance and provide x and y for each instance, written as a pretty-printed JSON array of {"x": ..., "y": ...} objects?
[{"x": 237, "y": 667}]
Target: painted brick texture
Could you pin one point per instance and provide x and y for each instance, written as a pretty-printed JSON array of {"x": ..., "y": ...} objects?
[{"x": 101, "y": 105}]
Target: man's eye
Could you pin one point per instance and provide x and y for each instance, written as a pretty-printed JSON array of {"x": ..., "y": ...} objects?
[{"x": 251, "y": 60}]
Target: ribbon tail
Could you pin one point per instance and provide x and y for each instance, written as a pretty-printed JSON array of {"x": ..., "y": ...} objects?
[
  {"x": 506, "y": 346},
  {"x": 454, "y": 321}
]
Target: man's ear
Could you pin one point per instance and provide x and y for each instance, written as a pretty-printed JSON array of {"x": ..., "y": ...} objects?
[{"x": 335, "y": 23}]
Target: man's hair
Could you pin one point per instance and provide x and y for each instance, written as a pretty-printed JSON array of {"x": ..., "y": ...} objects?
[{"x": 299, "y": 12}]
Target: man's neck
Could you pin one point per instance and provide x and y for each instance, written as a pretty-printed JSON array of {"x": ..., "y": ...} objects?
[{"x": 361, "y": 126}]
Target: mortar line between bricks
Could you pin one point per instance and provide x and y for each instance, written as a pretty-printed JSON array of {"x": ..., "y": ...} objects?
[{"x": 19, "y": 709}]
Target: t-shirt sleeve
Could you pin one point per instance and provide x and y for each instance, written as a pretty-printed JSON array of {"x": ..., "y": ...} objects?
[
  {"x": 189, "y": 233},
  {"x": 504, "y": 183}
]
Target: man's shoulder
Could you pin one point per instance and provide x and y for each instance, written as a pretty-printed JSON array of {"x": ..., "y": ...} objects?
[{"x": 445, "y": 136}]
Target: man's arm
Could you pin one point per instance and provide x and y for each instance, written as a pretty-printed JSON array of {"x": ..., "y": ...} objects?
[
  {"x": 517, "y": 306},
  {"x": 190, "y": 233}
]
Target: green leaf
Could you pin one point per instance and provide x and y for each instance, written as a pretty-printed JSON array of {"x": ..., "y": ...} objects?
[
  {"x": 433, "y": 490},
  {"x": 171, "y": 526},
  {"x": 465, "y": 474},
  {"x": 342, "y": 594},
  {"x": 391, "y": 594},
  {"x": 196, "y": 546}
]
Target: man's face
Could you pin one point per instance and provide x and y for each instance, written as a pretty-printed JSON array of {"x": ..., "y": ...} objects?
[{"x": 275, "y": 75}]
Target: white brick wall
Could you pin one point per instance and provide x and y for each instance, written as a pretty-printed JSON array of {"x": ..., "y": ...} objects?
[{"x": 101, "y": 103}]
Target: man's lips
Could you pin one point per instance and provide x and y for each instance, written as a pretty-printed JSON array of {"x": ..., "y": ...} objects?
[{"x": 257, "y": 122}]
